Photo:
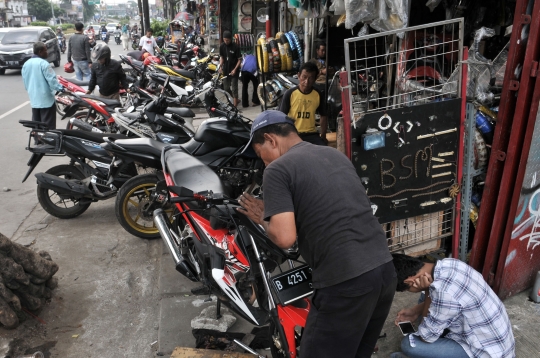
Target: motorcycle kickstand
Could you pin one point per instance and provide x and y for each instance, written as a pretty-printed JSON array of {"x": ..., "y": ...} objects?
[{"x": 218, "y": 309}]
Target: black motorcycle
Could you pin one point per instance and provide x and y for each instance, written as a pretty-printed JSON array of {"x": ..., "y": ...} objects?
[
  {"x": 117, "y": 38},
  {"x": 93, "y": 174},
  {"x": 219, "y": 144}
]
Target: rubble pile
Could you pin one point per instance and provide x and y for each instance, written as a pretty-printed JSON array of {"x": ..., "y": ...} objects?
[{"x": 26, "y": 281}]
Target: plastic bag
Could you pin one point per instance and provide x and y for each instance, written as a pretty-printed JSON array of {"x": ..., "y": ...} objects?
[
  {"x": 359, "y": 11},
  {"x": 364, "y": 30},
  {"x": 432, "y": 4},
  {"x": 392, "y": 15},
  {"x": 338, "y": 7}
]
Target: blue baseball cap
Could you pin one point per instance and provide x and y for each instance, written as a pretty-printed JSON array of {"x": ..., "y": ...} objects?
[{"x": 265, "y": 119}]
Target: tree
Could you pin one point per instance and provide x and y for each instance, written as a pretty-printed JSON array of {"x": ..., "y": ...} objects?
[
  {"x": 41, "y": 9},
  {"x": 88, "y": 10}
]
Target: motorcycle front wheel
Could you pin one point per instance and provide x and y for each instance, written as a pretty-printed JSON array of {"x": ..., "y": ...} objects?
[
  {"x": 61, "y": 107},
  {"x": 132, "y": 200},
  {"x": 56, "y": 205},
  {"x": 276, "y": 345}
]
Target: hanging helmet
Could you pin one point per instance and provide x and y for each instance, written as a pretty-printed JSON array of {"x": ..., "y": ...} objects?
[{"x": 100, "y": 51}]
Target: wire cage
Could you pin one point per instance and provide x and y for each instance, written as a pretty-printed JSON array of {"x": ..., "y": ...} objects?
[
  {"x": 403, "y": 68},
  {"x": 420, "y": 234},
  {"x": 399, "y": 69}
]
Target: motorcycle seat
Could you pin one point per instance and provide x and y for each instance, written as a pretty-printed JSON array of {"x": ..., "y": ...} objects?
[
  {"x": 179, "y": 81},
  {"x": 137, "y": 63},
  {"x": 77, "y": 82},
  {"x": 92, "y": 136},
  {"x": 182, "y": 112},
  {"x": 108, "y": 102},
  {"x": 184, "y": 73},
  {"x": 145, "y": 145},
  {"x": 133, "y": 115},
  {"x": 189, "y": 172}
]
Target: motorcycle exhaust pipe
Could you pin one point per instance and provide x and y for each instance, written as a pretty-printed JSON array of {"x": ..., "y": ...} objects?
[
  {"x": 84, "y": 126},
  {"x": 182, "y": 265},
  {"x": 73, "y": 188}
]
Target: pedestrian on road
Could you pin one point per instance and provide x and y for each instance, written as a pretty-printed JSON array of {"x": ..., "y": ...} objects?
[
  {"x": 461, "y": 315},
  {"x": 230, "y": 60},
  {"x": 148, "y": 43},
  {"x": 354, "y": 279},
  {"x": 248, "y": 73},
  {"x": 106, "y": 73},
  {"x": 125, "y": 37},
  {"x": 41, "y": 84},
  {"x": 79, "y": 53}
]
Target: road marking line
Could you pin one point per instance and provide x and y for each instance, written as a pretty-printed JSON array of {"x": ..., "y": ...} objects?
[{"x": 14, "y": 109}]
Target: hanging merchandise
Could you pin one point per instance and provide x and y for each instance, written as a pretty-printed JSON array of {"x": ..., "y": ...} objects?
[
  {"x": 262, "y": 54},
  {"x": 364, "y": 31},
  {"x": 359, "y": 11},
  {"x": 393, "y": 15},
  {"x": 338, "y": 7},
  {"x": 432, "y": 4},
  {"x": 287, "y": 63},
  {"x": 280, "y": 54}
]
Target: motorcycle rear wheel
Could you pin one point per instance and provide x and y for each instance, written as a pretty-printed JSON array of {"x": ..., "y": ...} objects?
[
  {"x": 132, "y": 199},
  {"x": 47, "y": 200}
]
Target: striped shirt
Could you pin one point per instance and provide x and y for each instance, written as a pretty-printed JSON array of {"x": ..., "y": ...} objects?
[{"x": 464, "y": 303}]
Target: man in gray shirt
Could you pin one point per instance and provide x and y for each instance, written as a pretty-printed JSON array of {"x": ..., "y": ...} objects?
[
  {"x": 79, "y": 53},
  {"x": 313, "y": 193}
]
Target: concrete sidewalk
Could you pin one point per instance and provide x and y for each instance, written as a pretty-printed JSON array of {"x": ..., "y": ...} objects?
[{"x": 120, "y": 296}]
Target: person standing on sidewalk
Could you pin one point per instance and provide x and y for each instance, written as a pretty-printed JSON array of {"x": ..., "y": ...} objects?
[
  {"x": 148, "y": 43},
  {"x": 354, "y": 279},
  {"x": 41, "y": 84},
  {"x": 302, "y": 102},
  {"x": 248, "y": 73},
  {"x": 230, "y": 60},
  {"x": 79, "y": 53},
  {"x": 106, "y": 73}
]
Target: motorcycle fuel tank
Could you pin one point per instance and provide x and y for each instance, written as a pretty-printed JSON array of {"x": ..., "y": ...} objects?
[{"x": 220, "y": 133}]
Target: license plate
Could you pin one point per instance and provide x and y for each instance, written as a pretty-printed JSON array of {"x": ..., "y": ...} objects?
[
  {"x": 13, "y": 63},
  {"x": 293, "y": 285}
]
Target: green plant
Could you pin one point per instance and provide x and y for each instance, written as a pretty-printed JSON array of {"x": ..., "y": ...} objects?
[
  {"x": 39, "y": 23},
  {"x": 159, "y": 28}
]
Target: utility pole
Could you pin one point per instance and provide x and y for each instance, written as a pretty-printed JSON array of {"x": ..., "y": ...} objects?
[
  {"x": 146, "y": 11},
  {"x": 139, "y": 4},
  {"x": 52, "y": 10}
]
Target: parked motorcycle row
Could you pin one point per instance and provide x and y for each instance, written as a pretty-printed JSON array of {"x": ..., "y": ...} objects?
[{"x": 176, "y": 182}]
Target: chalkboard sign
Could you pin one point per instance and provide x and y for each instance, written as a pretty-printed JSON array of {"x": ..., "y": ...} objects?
[{"x": 407, "y": 158}]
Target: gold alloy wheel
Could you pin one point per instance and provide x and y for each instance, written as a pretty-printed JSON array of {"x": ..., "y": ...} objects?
[{"x": 136, "y": 200}]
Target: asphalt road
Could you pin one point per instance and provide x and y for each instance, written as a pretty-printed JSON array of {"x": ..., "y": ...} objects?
[{"x": 16, "y": 204}]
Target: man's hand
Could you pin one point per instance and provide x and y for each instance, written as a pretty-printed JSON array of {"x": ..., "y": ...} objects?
[
  {"x": 408, "y": 314},
  {"x": 423, "y": 281},
  {"x": 232, "y": 72},
  {"x": 251, "y": 207}
]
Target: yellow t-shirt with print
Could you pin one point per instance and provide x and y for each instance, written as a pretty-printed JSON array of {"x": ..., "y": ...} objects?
[{"x": 302, "y": 108}]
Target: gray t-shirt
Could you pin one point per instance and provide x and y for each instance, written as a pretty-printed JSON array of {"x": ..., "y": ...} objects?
[{"x": 338, "y": 235}]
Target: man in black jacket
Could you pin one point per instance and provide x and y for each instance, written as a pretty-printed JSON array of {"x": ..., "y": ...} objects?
[
  {"x": 106, "y": 73},
  {"x": 79, "y": 53}
]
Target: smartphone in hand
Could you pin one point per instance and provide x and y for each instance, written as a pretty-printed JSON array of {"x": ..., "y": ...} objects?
[{"x": 406, "y": 328}]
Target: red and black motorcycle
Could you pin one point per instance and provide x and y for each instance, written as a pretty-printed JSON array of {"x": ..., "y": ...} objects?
[{"x": 231, "y": 256}]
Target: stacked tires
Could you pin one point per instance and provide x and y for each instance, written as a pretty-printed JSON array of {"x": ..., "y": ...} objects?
[{"x": 282, "y": 53}]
